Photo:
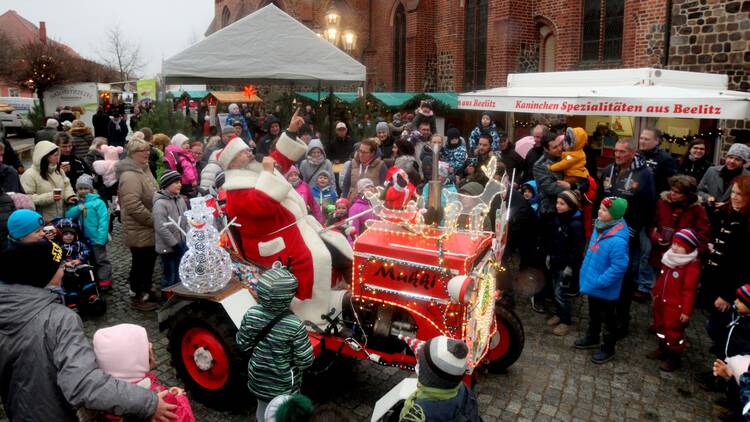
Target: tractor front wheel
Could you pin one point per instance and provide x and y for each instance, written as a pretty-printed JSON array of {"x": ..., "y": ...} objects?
[
  {"x": 507, "y": 343},
  {"x": 202, "y": 346}
]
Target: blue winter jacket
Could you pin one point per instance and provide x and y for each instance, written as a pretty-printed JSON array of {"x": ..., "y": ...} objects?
[
  {"x": 478, "y": 131},
  {"x": 95, "y": 223},
  {"x": 605, "y": 262}
]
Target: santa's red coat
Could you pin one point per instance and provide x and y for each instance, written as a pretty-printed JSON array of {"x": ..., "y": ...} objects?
[
  {"x": 275, "y": 226},
  {"x": 674, "y": 294},
  {"x": 397, "y": 199}
]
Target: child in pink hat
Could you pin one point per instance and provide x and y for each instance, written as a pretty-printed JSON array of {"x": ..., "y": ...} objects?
[{"x": 124, "y": 352}]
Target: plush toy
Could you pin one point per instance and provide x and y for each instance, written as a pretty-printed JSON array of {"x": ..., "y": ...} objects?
[
  {"x": 399, "y": 191},
  {"x": 106, "y": 167}
]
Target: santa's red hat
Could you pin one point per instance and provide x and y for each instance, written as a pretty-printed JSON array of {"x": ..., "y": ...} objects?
[
  {"x": 414, "y": 344},
  {"x": 392, "y": 175},
  {"x": 233, "y": 148}
]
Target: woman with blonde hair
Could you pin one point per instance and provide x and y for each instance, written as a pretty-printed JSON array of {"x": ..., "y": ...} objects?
[{"x": 136, "y": 194}]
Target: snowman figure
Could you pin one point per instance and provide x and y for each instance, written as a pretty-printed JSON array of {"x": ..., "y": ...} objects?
[{"x": 205, "y": 267}]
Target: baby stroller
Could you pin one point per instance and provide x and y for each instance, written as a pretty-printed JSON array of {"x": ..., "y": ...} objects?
[{"x": 79, "y": 284}]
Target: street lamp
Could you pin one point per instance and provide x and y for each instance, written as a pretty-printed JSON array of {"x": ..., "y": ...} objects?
[
  {"x": 349, "y": 40},
  {"x": 331, "y": 35},
  {"x": 346, "y": 40},
  {"x": 333, "y": 18}
]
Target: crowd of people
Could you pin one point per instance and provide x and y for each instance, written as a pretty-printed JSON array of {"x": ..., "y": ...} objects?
[{"x": 648, "y": 227}]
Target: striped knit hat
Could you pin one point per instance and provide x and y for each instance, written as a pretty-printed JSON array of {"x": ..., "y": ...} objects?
[
  {"x": 687, "y": 239},
  {"x": 169, "y": 177},
  {"x": 572, "y": 198},
  {"x": 276, "y": 288},
  {"x": 442, "y": 362},
  {"x": 743, "y": 294}
]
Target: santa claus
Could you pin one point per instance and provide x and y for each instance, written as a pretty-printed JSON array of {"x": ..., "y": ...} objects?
[
  {"x": 275, "y": 224},
  {"x": 399, "y": 190}
]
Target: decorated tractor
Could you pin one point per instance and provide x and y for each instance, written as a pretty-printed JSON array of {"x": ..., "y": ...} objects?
[{"x": 410, "y": 280}]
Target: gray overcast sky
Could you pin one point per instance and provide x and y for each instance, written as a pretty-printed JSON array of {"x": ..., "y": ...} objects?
[{"x": 161, "y": 27}]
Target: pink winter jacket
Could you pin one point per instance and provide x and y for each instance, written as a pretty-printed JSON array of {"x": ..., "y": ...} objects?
[
  {"x": 361, "y": 205},
  {"x": 303, "y": 189},
  {"x": 182, "y": 162}
]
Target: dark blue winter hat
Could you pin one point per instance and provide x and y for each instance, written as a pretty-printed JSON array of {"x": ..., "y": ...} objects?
[{"x": 22, "y": 223}]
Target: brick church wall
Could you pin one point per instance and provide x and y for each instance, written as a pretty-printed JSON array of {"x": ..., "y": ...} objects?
[{"x": 713, "y": 36}]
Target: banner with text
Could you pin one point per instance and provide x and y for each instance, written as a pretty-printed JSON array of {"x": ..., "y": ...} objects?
[{"x": 697, "y": 109}]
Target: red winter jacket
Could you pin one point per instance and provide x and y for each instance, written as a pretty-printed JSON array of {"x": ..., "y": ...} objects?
[
  {"x": 678, "y": 217},
  {"x": 674, "y": 294}
]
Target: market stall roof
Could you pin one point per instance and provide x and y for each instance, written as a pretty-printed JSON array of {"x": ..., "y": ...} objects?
[
  {"x": 349, "y": 97},
  {"x": 267, "y": 45},
  {"x": 233, "y": 97},
  {"x": 448, "y": 98},
  {"x": 196, "y": 95},
  {"x": 393, "y": 99},
  {"x": 642, "y": 92},
  {"x": 389, "y": 99}
]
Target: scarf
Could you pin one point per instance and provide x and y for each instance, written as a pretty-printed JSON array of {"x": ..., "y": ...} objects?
[
  {"x": 678, "y": 260},
  {"x": 316, "y": 161},
  {"x": 602, "y": 226},
  {"x": 295, "y": 184},
  {"x": 427, "y": 393}
]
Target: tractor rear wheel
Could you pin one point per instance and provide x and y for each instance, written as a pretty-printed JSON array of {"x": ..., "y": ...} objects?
[
  {"x": 507, "y": 344},
  {"x": 203, "y": 350}
]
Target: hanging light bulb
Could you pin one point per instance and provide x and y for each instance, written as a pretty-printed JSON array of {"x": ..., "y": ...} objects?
[
  {"x": 349, "y": 40},
  {"x": 331, "y": 35},
  {"x": 333, "y": 17}
]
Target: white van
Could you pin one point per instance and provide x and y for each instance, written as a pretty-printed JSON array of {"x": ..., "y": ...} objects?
[{"x": 17, "y": 119}]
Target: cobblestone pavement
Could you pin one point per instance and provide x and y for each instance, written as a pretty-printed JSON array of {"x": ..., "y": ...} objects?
[{"x": 550, "y": 381}]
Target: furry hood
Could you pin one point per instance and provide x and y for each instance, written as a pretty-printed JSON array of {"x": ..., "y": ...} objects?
[
  {"x": 80, "y": 131},
  {"x": 665, "y": 197},
  {"x": 578, "y": 138}
]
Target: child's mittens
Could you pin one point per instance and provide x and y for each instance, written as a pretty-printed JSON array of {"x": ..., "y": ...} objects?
[{"x": 350, "y": 231}]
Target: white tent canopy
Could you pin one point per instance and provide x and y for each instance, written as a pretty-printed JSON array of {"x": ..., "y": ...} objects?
[
  {"x": 642, "y": 92},
  {"x": 267, "y": 45}
]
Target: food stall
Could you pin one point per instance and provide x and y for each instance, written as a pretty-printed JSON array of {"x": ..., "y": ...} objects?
[
  {"x": 681, "y": 104},
  {"x": 218, "y": 101}
]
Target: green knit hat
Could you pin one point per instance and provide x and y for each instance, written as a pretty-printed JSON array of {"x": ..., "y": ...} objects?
[{"x": 615, "y": 206}]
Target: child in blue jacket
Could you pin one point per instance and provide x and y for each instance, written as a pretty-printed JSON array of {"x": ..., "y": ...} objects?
[
  {"x": 602, "y": 271},
  {"x": 93, "y": 216},
  {"x": 324, "y": 193}
]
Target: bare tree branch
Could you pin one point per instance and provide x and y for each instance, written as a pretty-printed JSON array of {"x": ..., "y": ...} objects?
[{"x": 122, "y": 55}]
